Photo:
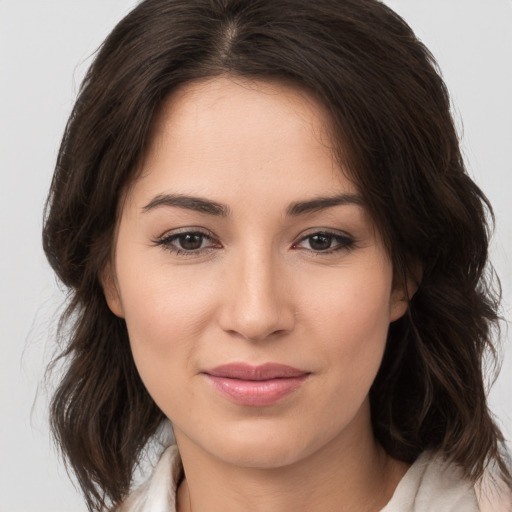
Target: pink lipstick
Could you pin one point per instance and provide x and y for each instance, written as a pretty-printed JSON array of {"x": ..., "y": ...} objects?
[{"x": 255, "y": 386}]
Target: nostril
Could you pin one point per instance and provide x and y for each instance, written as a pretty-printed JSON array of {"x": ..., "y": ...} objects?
[
  {"x": 255, "y": 302},
  {"x": 258, "y": 328}
]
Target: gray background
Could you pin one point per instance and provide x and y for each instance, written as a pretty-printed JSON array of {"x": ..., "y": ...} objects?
[{"x": 45, "y": 48}]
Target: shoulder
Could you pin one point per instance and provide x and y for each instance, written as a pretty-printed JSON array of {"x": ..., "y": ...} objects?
[
  {"x": 434, "y": 483},
  {"x": 495, "y": 495},
  {"x": 159, "y": 491}
]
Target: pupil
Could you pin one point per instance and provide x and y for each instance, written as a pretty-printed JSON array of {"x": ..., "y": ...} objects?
[
  {"x": 320, "y": 242},
  {"x": 191, "y": 241}
]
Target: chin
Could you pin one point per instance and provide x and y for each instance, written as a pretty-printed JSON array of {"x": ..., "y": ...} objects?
[
  {"x": 265, "y": 445},
  {"x": 260, "y": 456}
]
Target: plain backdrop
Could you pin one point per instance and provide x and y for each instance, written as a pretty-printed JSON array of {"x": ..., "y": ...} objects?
[{"x": 45, "y": 48}]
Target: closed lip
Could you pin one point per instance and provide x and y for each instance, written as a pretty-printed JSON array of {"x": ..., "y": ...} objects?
[
  {"x": 247, "y": 372},
  {"x": 255, "y": 386}
]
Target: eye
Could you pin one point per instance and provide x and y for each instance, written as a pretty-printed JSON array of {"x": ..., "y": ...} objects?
[
  {"x": 190, "y": 241},
  {"x": 325, "y": 242},
  {"x": 187, "y": 242}
]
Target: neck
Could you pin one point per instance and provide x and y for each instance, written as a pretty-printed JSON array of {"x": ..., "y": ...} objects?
[{"x": 350, "y": 473}]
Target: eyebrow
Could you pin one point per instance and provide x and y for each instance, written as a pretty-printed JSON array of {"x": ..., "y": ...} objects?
[
  {"x": 209, "y": 207},
  {"x": 321, "y": 203},
  {"x": 189, "y": 203}
]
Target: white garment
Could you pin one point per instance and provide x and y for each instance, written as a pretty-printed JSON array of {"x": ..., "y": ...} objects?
[{"x": 430, "y": 485}]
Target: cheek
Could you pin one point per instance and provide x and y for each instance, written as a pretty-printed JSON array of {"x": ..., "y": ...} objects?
[
  {"x": 350, "y": 322},
  {"x": 355, "y": 301},
  {"x": 165, "y": 313}
]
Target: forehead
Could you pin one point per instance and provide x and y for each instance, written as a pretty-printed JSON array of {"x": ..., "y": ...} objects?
[
  {"x": 242, "y": 136},
  {"x": 202, "y": 100}
]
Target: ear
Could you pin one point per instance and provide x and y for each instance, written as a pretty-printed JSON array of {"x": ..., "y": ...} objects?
[
  {"x": 402, "y": 293},
  {"x": 111, "y": 290}
]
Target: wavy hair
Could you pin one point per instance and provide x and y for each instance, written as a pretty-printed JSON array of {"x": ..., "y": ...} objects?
[{"x": 392, "y": 128}]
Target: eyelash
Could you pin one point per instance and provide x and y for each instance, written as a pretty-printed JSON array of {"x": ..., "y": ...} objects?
[
  {"x": 166, "y": 242},
  {"x": 344, "y": 242}
]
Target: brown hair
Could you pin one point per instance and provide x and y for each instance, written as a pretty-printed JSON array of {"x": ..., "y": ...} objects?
[{"x": 391, "y": 113}]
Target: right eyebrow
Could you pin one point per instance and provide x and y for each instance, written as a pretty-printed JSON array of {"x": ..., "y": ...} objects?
[{"x": 197, "y": 204}]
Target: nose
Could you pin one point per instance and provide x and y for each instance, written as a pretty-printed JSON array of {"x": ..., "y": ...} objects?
[{"x": 258, "y": 301}]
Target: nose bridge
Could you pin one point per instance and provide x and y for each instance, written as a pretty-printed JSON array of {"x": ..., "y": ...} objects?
[{"x": 257, "y": 303}]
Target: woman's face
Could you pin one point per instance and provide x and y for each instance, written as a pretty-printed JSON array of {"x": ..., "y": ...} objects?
[{"x": 256, "y": 292}]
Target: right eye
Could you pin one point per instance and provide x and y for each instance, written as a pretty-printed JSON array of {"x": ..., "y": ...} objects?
[{"x": 188, "y": 242}]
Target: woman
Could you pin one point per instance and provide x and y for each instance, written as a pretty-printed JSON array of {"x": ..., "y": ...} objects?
[{"x": 262, "y": 214}]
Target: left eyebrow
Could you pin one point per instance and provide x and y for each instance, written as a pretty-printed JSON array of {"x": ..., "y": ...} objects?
[{"x": 321, "y": 203}]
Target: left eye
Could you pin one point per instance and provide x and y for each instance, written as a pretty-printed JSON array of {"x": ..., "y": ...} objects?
[{"x": 325, "y": 242}]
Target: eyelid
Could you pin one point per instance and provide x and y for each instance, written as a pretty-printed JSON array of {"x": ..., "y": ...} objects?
[
  {"x": 348, "y": 241},
  {"x": 183, "y": 231},
  {"x": 165, "y": 240}
]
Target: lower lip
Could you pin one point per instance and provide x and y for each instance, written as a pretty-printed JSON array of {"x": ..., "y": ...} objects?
[{"x": 256, "y": 393}]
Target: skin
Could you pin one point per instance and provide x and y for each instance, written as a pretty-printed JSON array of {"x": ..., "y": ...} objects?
[{"x": 258, "y": 288}]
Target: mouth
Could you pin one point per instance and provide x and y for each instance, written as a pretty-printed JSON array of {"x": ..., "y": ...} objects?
[{"x": 255, "y": 386}]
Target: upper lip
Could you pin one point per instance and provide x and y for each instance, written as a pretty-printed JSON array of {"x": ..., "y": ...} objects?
[{"x": 244, "y": 371}]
